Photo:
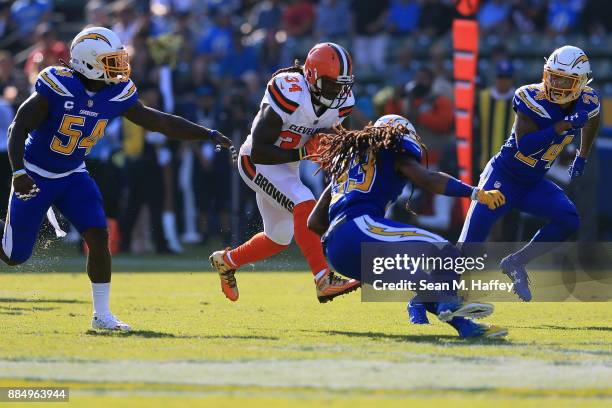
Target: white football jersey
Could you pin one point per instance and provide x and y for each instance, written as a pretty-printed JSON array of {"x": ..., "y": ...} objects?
[{"x": 288, "y": 95}]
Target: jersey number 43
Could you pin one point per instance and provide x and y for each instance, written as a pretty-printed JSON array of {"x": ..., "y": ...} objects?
[{"x": 359, "y": 177}]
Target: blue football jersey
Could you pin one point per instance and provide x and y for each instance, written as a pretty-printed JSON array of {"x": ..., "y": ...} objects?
[
  {"x": 76, "y": 120},
  {"x": 531, "y": 101},
  {"x": 371, "y": 184}
]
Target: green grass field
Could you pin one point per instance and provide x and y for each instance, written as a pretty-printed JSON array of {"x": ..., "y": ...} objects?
[{"x": 278, "y": 346}]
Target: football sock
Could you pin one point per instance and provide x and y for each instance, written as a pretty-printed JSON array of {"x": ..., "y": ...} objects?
[
  {"x": 542, "y": 241},
  {"x": 320, "y": 274},
  {"x": 255, "y": 249},
  {"x": 170, "y": 233},
  {"x": 308, "y": 241},
  {"x": 100, "y": 293}
]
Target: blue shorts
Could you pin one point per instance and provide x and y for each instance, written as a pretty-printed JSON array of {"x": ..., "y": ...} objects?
[
  {"x": 76, "y": 196},
  {"x": 542, "y": 198},
  {"x": 343, "y": 241}
]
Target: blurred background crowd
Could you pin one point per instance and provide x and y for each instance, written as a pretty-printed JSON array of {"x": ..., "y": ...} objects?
[{"x": 209, "y": 61}]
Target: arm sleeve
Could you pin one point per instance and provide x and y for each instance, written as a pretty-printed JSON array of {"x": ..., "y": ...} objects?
[{"x": 533, "y": 142}]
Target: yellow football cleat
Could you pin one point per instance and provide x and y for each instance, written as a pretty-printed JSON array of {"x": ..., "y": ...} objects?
[
  {"x": 329, "y": 286},
  {"x": 229, "y": 286},
  {"x": 492, "y": 331},
  {"x": 467, "y": 328}
]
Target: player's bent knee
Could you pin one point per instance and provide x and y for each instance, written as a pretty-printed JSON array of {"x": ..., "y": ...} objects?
[
  {"x": 280, "y": 237},
  {"x": 16, "y": 257},
  {"x": 15, "y": 262}
]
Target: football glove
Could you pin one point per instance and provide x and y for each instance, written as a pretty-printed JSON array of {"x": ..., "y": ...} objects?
[
  {"x": 577, "y": 119},
  {"x": 310, "y": 149},
  {"x": 577, "y": 167},
  {"x": 491, "y": 198},
  {"x": 24, "y": 186}
]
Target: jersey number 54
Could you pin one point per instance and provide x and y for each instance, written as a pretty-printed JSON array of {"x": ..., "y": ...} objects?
[{"x": 69, "y": 127}]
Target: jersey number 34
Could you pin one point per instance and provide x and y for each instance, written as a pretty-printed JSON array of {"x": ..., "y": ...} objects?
[{"x": 69, "y": 127}]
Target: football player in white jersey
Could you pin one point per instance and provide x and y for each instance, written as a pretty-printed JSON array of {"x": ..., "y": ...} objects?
[{"x": 299, "y": 102}]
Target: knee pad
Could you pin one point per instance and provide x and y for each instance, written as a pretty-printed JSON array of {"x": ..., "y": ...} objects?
[{"x": 281, "y": 232}]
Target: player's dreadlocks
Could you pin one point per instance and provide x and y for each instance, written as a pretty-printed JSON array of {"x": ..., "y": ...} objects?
[
  {"x": 336, "y": 151},
  {"x": 295, "y": 68}
]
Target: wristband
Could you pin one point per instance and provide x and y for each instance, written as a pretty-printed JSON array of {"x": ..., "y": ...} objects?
[
  {"x": 302, "y": 152},
  {"x": 474, "y": 195},
  {"x": 456, "y": 188},
  {"x": 18, "y": 173}
]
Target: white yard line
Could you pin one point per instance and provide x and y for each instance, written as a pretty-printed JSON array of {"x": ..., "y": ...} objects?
[{"x": 441, "y": 373}]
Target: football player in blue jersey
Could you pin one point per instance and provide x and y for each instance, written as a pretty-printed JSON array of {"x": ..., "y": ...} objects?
[
  {"x": 369, "y": 168},
  {"x": 53, "y": 131},
  {"x": 548, "y": 117}
]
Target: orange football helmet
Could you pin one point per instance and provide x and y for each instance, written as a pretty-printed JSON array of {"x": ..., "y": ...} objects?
[{"x": 329, "y": 72}]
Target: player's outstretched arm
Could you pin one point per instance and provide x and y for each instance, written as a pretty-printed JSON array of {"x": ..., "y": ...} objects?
[
  {"x": 268, "y": 126},
  {"x": 30, "y": 115},
  {"x": 175, "y": 127},
  {"x": 441, "y": 183},
  {"x": 588, "y": 135},
  {"x": 319, "y": 221}
]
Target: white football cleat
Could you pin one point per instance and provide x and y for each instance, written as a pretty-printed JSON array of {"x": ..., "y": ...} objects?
[
  {"x": 108, "y": 322},
  {"x": 227, "y": 274}
]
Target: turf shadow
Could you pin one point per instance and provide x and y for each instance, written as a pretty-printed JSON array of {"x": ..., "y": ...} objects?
[
  {"x": 247, "y": 337},
  {"x": 548, "y": 326},
  {"x": 26, "y": 300},
  {"x": 148, "y": 334},
  {"x": 30, "y": 309},
  {"x": 414, "y": 338},
  {"x": 151, "y": 334},
  {"x": 590, "y": 328}
]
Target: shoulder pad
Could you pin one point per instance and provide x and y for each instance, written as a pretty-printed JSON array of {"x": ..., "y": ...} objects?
[
  {"x": 412, "y": 147},
  {"x": 53, "y": 80},
  {"x": 589, "y": 101},
  {"x": 347, "y": 107},
  {"x": 284, "y": 91},
  {"x": 528, "y": 99},
  {"x": 126, "y": 90}
]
